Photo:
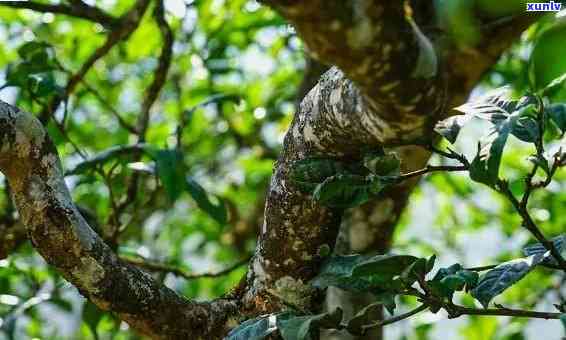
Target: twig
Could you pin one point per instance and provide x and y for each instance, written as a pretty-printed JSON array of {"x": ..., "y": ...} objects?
[
  {"x": 77, "y": 9},
  {"x": 530, "y": 224},
  {"x": 105, "y": 156},
  {"x": 152, "y": 92},
  {"x": 459, "y": 310},
  {"x": 160, "y": 74},
  {"x": 432, "y": 168},
  {"x": 161, "y": 267},
  {"x": 397, "y": 318}
]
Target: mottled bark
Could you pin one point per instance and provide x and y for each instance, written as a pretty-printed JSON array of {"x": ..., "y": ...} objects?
[{"x": 387, "y": 106}]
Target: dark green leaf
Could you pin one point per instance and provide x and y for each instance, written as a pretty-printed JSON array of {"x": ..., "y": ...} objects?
[
  {"x": 337, "y": 271},
  {"x": 215, "y": 210},
  {"x": 43, "y": 85},
  {"x": 444, "y": 282},
  {"x": 497, "y": 280},
  {"x": 343, "y": 191},
  {"x": 92, "y": 316},
  {"x": 171, "y": 171},
  {"x": 29, "y": 49},
  {"x": 485, "y": 166},
  {"x": 382, "y": 165},
  {"x": 306, "y": 174},
  {"x": 308, "y": 327},
  {"x": 366, "y": 316},
  {"x": 453, "y": 282},
  {"x": 363, "y": 273},
  {"x": 386, "y": 266},
  {"x": 526, "y": 129},
  {"x": 413, "y": 272}
]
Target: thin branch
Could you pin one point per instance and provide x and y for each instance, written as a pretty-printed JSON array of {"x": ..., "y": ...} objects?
[
  {"x": 530, "y": 224},
  {"x": 150, "y": 96},
  {"x": 160, "y": 74},
  {"x": 397, "y": 318},
  {"x": 166, "y": 268},
  {"x": 78, "y": 9},
  {"x": 519, "y": 313},
  {"x": 105, "y": 156}
]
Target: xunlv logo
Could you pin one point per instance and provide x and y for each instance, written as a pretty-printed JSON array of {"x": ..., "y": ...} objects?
[{"x": 544, "y": 6}]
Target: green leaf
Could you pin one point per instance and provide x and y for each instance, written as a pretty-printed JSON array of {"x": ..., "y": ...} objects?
[
  {"x": 557, "y": 114},
  {"x": 497, "y": 280},
  {"x": 361, "y": 273},
  {"x": 308, "y": 327},
  {"x": 343, "y": 191},
  {"x": 427, "y": 61},
  {"x": 28, "y": 50},
  {"x": 91, "y": 317},
  {"x": 413, "y": 272},
  {"x": 382, "y": 165},
  {"x": 453, "y": 282},
  {"x": 384, "y": 266},
  {"x": 171, "y": 171},
  {"x": 460, "y": 280},
  {"x": 539, "y": 250},
  {"x": 366, "y": 316},
  {"x": 215, "y": 210},
  {"x": 306, "y": 174},
  {"x": 446, "y": 281},
  {"x": 547, "y": 61},
  {"x": 337, "y": 271},
  {"x": 43, "y": 85},
  {"x": 485, "y": 166},
  {"x": 255, "y": 329},
  {"x": 526, "y": 129}
]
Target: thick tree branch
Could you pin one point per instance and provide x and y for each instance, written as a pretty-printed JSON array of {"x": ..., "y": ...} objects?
[
  {"x": 57, "y": 230},
  {"x": 337, "y": 119}
]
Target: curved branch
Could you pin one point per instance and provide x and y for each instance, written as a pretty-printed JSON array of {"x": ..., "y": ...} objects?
[
  {"x": 58, "y": 231},
  {"x": 340, "y": 119},
  {"x": 77, "y": 9}
]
